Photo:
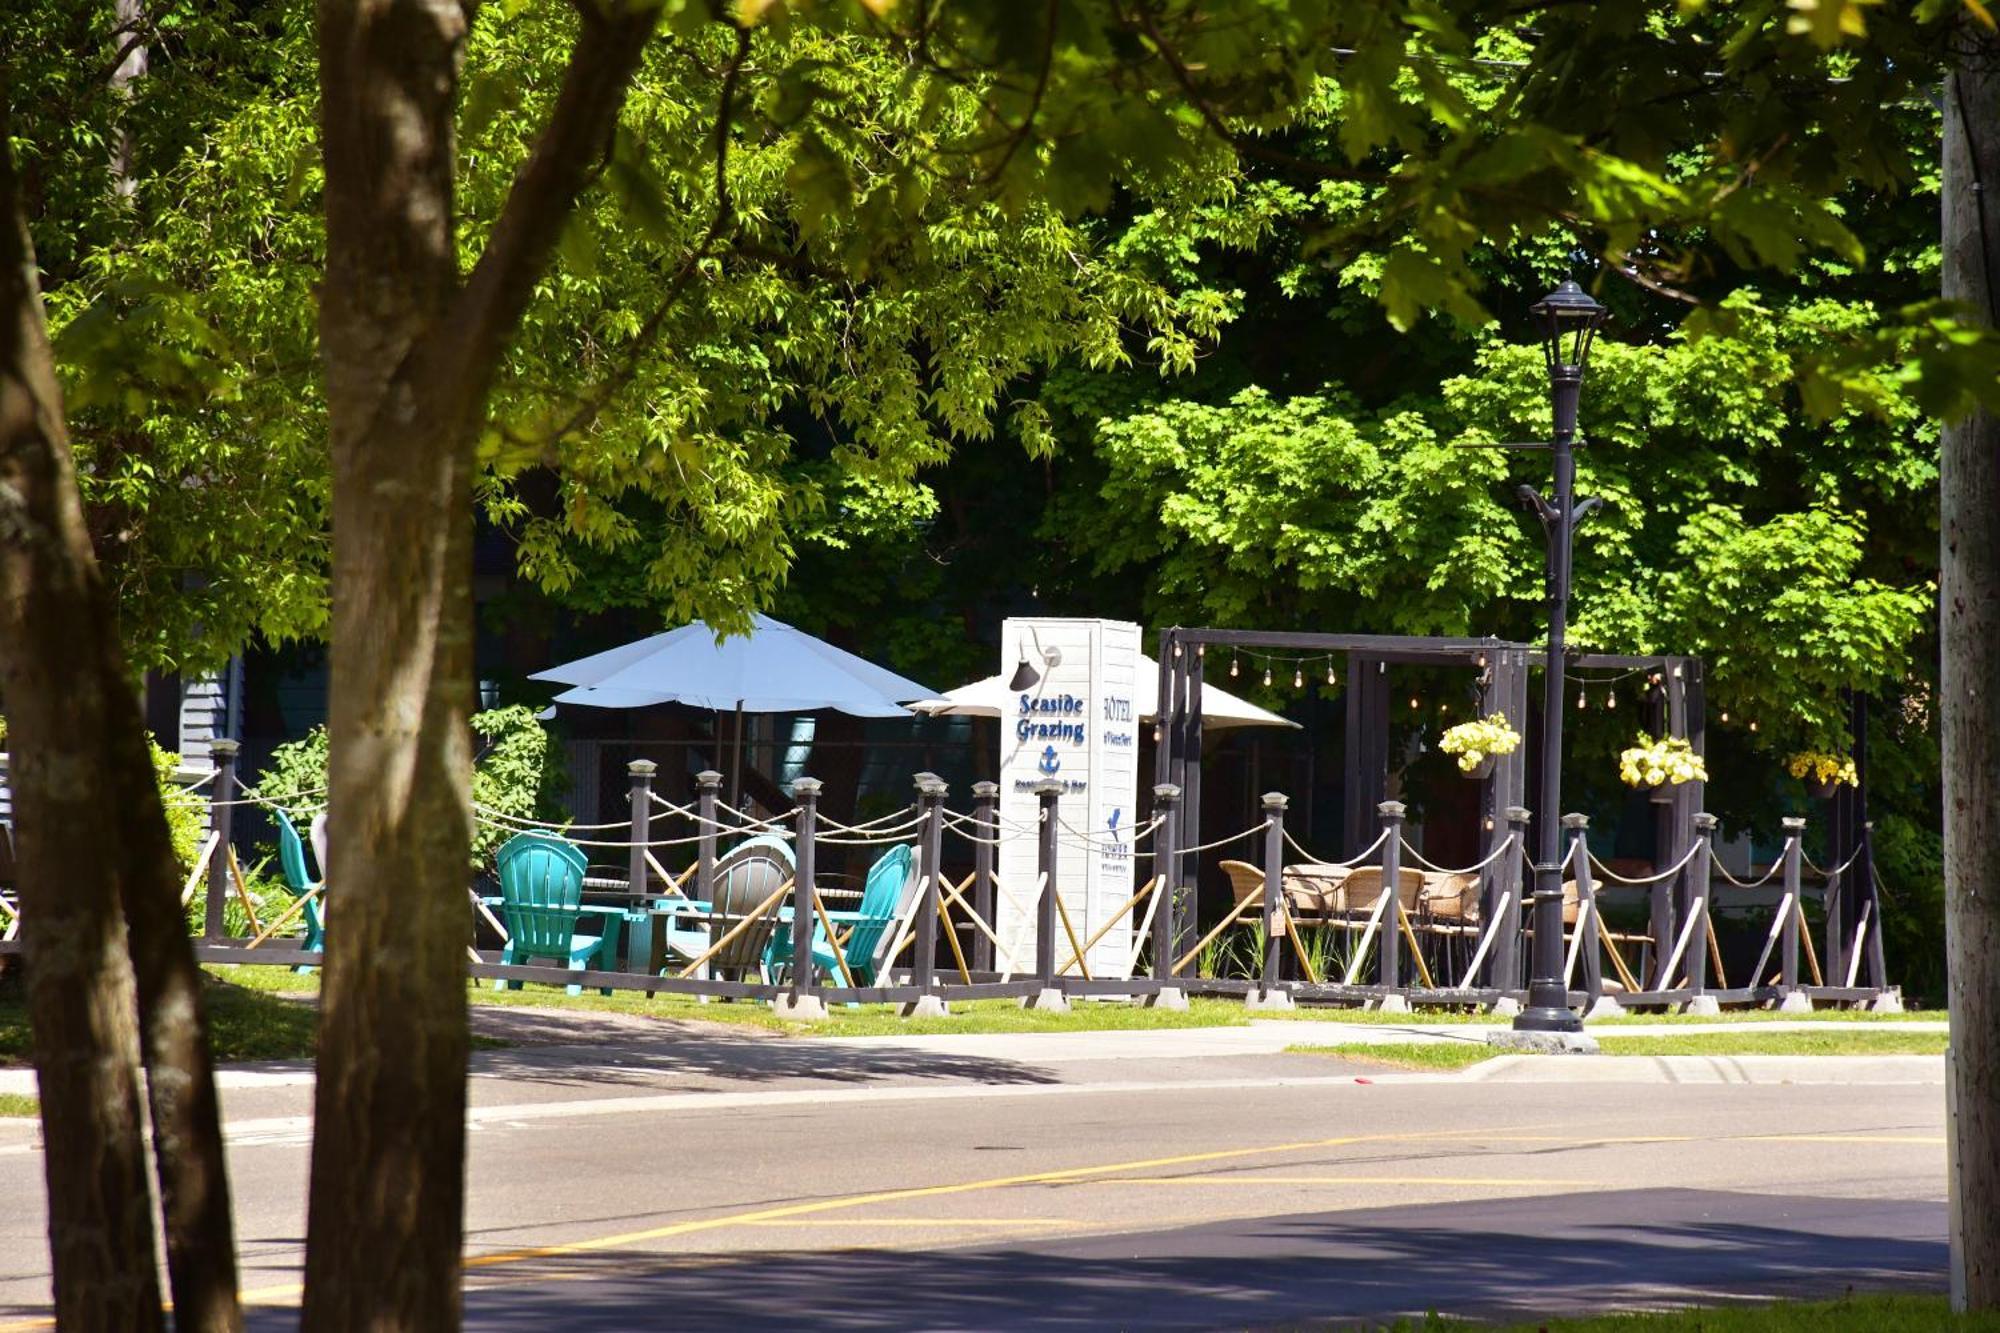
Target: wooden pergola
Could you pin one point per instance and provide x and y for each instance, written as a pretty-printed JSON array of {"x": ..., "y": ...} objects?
[{"x": 1501, "y": 674}]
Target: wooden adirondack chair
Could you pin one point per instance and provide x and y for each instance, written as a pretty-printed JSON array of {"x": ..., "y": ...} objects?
[
  {"x": 541, "y": 893},
  {"x": 862, "y": 946},
  {"x": 743, "y": 879},
  {"x": 292, "y": 861}
]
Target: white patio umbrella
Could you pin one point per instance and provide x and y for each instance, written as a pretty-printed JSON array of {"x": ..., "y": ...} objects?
[
  {"x": 991, "y": 698},
  {"x": 774, "y": 668}
]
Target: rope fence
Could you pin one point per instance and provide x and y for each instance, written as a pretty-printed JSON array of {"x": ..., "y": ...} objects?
[
  {"x": 1840, "y": 869},
  {"x": 1045, "y": 929},
  {"x": 1777, "y": 868},
  {"x": 1608, "y": 873},
  {"x": 1351, "y": 862},
  {"x": 1473, "y": 869},
  {"x": 1256, "y": 828}
]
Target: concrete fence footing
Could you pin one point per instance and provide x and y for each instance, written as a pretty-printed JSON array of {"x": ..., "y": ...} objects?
[{"x": 801, "y": 1008}]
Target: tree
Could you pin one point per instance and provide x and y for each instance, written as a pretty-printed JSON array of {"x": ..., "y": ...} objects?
[
  {"x": 1684, "y": 143},
  {"x": 182, "y": 323},
  {"x": 1971, "y": 674},
  {"x": 101, "y": 905}
]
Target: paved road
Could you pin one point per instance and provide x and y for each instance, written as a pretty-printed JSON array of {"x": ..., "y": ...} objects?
[{"x": 726, "y": 1179}]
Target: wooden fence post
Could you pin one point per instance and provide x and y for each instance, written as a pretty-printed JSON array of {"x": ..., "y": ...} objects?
[
  {"x": 1050, "y": 996},
  {"x": 222, "y": 797},
  {"x": 931, "y": 792},
  {"x": 708, "y": 792},
  {"x": 1268, "y": 996},
  {"x": 986, "y": 828},
  {"x": 1591, "y": 927},
  {"x": 800, "y": 1001},
  {"x": 1389, "y": 943},
  {"x": 1166, "y": 808}
]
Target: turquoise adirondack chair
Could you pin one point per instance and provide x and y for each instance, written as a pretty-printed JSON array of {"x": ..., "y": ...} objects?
[
  {"x": 538, "y": 837},
  {"x": 880, "y": 897},
  {"x": 541, "y": 895},
  {"x": 292, "y": 860}
]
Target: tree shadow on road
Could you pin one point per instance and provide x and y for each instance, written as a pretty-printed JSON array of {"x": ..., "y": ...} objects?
[
  {"x": 684, "y": 1059},
  {"x": 1499, "y": 1258}
]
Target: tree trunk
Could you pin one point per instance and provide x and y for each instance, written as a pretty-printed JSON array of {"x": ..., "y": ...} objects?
[
  {"x": 1970, "y": 684},
  {"x": 384, "y": 1224},
  {"x": 410, "y": 353},
  {"x": 67, "y": 699},
  {"x": 173, "y": 1029}
]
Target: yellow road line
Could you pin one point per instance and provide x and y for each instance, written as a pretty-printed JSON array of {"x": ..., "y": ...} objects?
[
  {"x": 1489, "y": 1181},
  {"x": 1597, "y": 1141},
  {"x": 1084, "y": 1174},
  {"x": 1934, "y": 1140},
  {"x": 841, "y": 1203},
  {"x": 862, "y": 1223}
]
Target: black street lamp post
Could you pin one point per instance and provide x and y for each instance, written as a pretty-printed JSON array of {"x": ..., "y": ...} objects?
[{"x": 1568, "y": 319}]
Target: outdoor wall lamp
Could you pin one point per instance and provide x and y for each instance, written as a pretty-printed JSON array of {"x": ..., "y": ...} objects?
[{"x": 1025, "y": 675}]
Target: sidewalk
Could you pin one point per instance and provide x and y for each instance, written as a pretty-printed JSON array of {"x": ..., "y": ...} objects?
[{"x": 565, "y": 1053}]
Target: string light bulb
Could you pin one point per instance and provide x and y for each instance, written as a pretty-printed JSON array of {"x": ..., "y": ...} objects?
[
  {"x": 1725, "y": 717},
  {"x": 1753, "y": 724},
  {"x": 1298, "y": 678},
  {"x": 1611, "y": 698},
  {"x": 1413, "y": 702},
  {"x": 1581, "y": 702},
  {"x": 1329, "y": 671},
  {"x": 1233, "y": 671},
  {"x": 1267, "y": 676}
]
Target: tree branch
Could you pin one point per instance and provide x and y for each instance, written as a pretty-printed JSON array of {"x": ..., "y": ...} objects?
[
  {"x": 1240, "y": 142},
  {"x": 1027, "y": 125},
  {"x": 601, "y": 67},
  {"x": 608, "y": 388}
]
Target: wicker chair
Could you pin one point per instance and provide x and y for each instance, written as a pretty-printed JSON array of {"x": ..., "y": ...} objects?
[
  {"x": 1450, "y": 898},
  {"x": 1364, "y": 885}
]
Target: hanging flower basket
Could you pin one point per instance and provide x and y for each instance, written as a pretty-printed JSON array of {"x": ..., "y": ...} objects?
[
  {"x": 1660, "y": 765},
  {"x": 1823, "y": 773},
  {"x": 1479, "y": 743}
]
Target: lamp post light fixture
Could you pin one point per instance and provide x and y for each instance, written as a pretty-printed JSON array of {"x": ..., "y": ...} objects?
[{"x": 1568, "y": 320}]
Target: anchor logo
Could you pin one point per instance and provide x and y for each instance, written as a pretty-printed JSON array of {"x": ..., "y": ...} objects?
[{"x": 1050, "y": 763}]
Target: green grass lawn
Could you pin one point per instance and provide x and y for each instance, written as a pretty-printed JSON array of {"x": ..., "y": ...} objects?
[
  {"x": 1425, "y": 1055},
  {"x": 976, "y": 1016},
  {"x": 1852, "y": 1314},
  {"x": 245, "y": 1023},
  {"x": 1459, "y": 1054},
  {"x": 1860, "y": 1041},
  {"x": 16, "y": 1104},
  {"x": 877, "y": 1020},
  {"x": 1008, "y": 1016},
  {"x": 266, "y": 1013},
  {"x": 1773, "y": 1016}
]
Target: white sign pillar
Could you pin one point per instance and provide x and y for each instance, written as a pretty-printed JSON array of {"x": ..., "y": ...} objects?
[{"x": 1078, "y": 724}]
